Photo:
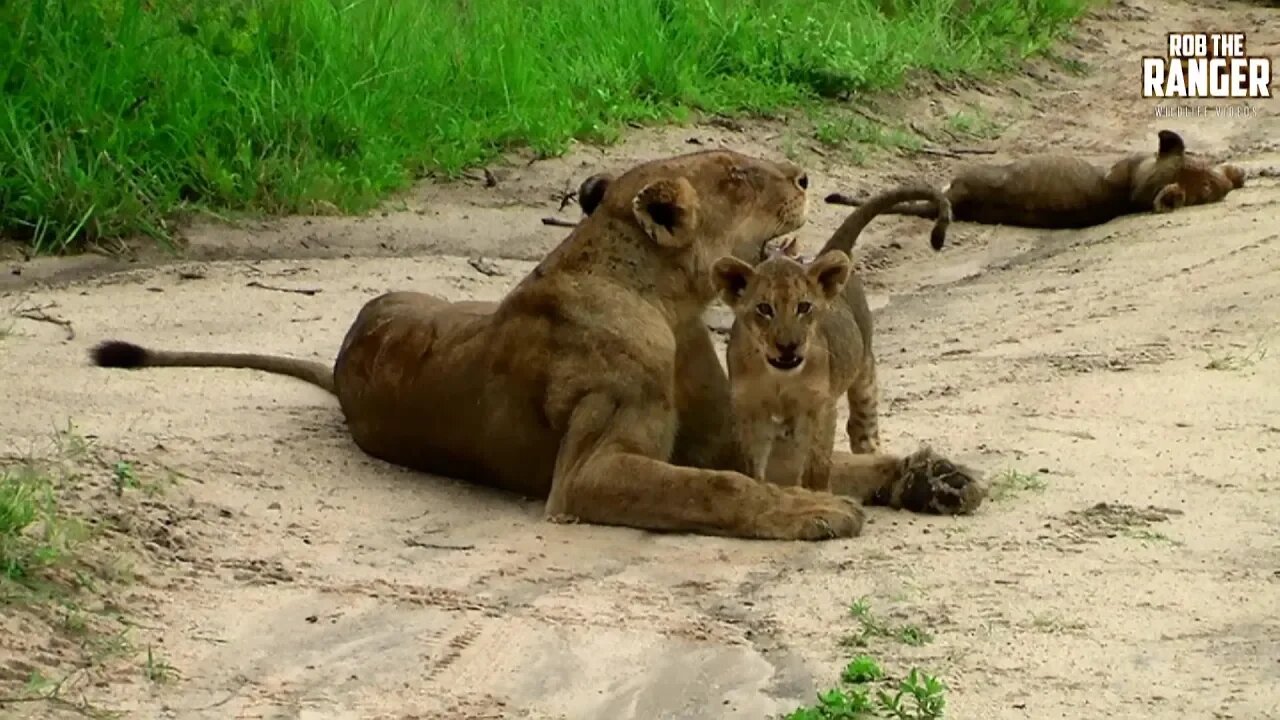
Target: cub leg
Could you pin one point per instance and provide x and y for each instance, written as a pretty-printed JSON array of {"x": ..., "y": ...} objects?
[{"x": 864, "y": 423}]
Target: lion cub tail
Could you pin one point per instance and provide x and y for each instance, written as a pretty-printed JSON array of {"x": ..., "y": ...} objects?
[
  {"x": 121, "y": 354},
  {"x": 847, "y": 234}
]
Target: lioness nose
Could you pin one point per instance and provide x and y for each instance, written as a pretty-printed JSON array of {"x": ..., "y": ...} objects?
[
  {"x": 803, "y": 181},
  {"x": 788, "y": 349}
]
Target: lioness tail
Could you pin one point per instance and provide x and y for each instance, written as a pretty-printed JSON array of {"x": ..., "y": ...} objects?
[
  {"x": 121, "y": 354},
  {"x": 847, "y": 234}
]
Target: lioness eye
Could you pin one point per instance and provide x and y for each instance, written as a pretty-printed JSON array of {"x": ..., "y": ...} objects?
[
  {"x": 803, "y": 308},
  {"x": 765, "y": 309}
]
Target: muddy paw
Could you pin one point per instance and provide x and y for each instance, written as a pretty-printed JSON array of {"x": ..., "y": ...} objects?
[
  {"x": 805, "y": 515},
  {"x": 930, "y": 483}
]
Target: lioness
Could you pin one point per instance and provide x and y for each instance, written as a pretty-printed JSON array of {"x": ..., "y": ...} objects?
[
  {"x": 784, "y": 376},
  {"x": 585, "y": 384},
  {"x": 1064, "y": 191},
  {"x": 812, "y": 319}
]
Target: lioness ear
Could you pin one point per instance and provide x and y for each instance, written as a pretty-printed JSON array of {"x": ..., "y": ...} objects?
[
  {"x": 592, "y": 190},
  {"x": 1232, "y": 173},
  {"x": 1170, "y": 198},
  {"x": 668, "y": 212},
  {"x": 1170, "y": 143},
  {"x": 830, "y": 271},
  {"x": 731, "y": 276}
]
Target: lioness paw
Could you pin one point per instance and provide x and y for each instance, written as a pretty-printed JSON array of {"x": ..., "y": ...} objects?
[
  {"x": 805, "y": 515},
  {"x": 930, "y": 483}
]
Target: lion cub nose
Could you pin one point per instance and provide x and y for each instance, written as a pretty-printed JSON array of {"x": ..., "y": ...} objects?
[{"x": 788, "y": 350}]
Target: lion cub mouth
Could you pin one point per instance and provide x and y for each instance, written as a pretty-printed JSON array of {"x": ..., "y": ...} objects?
[{"x": 786, "y": 363}]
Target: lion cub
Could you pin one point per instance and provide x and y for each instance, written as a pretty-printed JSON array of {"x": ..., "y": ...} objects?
[{"x": 788, "y": 361}]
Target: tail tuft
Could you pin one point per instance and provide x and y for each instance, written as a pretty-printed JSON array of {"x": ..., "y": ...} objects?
[
  {"x": 938, "y": 237},
  {"x": 118, "y": 354}
]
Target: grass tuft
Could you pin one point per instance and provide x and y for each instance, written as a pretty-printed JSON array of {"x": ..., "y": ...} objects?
[
  {"x": 865, "y": 690},
  {"x": 1012, "y": 483},
  {"x": 71, "y": 517},
  {"x": 117, "y": 114}
]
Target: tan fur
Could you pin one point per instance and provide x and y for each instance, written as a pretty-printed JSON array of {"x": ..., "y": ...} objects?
[
  {"x": 593, "y": 383},
  {"x": 786, "y": 418},
  {"x": 783, "y": 376},
  {"x": 1064, "y": 191}
]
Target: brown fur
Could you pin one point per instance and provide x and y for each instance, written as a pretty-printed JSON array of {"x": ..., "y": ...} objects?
[
  {"x": 1199, "y": 183},
  {"x": 1064, "y": 191},
  {"x": 593, "y": 383}
]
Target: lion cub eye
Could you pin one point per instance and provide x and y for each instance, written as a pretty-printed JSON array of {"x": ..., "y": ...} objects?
[
  {"x": 803, "y": 308},
  {"x": 765, "y": 310}
]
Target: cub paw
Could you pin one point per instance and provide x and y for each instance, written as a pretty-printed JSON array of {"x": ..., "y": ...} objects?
[
  {"x": 930, "y": 483},
  {"x": 802, "y": 514},
  {"x": 864, "y": 445}
]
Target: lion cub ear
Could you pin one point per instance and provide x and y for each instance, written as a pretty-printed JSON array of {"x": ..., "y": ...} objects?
[
  {"x": 1170, "y": 198},
  {"x": 1170, "y": 143},
  {"x": 731, "y": 276},
  {"x": 668, "y": 212},
  {"x": 592, "y": 191},
  {"x": 830, "y": 271}
]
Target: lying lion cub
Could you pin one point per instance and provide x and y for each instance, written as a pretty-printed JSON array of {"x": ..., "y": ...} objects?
[
  {"x": 1065, "y": 191},
  {"x": 801, "y": 338},
  {"x": 783, "y": 371}
]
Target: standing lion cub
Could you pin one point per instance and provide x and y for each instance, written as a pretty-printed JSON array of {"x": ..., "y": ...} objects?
[
  {"x": 785, "y": 368},
  {"x": 801, "y": 337}
]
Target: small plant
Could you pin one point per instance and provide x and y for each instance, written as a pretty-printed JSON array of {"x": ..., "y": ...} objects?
[
  {"x": 157, "y": 669},
  {"x": 871, "y": 627},
  {"x": 973, "y": 123},
  {"x": 1231, "y": 361},
  {"x": 862, "y": 669},
  {"x": 919, "y": 696},
  {"x": 125, "y": 477},
  {"x": 1012, "y": 482},
  {"x": 925, "y": 692},
  {"x": 1151, "y": 536},
  {"x": 837, "y": 704}
]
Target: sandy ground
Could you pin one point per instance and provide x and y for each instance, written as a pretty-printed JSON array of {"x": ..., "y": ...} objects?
[{"x": 1124, "y": 366}]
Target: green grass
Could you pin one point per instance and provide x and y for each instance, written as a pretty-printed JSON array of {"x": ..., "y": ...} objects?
[
  {"x": 35, "y": 536},
  {"x": 869, "y": 626},
  {"x": 974, "y": 123},
  {"x": 117, "y": 114},
  {"x": 1012, "y": 483},
  {"x": 66, "y": 534}
]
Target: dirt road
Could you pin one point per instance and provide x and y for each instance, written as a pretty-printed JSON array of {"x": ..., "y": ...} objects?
[{"x": 1128, "y": 567}]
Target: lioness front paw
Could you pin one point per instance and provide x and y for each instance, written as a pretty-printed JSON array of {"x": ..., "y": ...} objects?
[
  {"x": 801, "y": 514},
  {"x": 930, "y": 483}
]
